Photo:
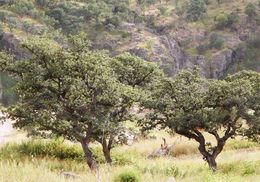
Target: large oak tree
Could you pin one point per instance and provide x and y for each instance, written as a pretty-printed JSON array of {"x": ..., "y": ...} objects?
[
  {"x": 192, "y": 106},
  {"x": 76, "y": 93}
]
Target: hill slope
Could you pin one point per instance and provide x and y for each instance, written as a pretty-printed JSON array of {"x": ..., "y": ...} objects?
[{"x": 219, "y": 36}]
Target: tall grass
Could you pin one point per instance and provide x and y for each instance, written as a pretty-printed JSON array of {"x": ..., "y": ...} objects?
[
  {"x": 38, "y": 160},
  {"x": 56, "y": 149}
]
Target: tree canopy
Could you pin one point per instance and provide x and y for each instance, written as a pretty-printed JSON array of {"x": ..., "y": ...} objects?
[
  {"x": 74, "y": 92},
  {"x": 191, "y": 105}
]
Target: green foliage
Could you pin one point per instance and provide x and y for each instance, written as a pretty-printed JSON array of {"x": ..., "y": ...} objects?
[
  {"x": 43, "y": 3},
  {"x": 216, "y": 41},
  {"x": 248, "y": 55},
  {"x": 196, "y": 9},
  {"x": 8, "y": 95},
  {"x": 224, "y": 20},
  {"x": 40, "y": 148},
  {"x": 25, "y": 7},
  {"x": 250, "y": 10},
  {"x": 73, "y": 18},
  {"x": 76, "y": 93},
  {"x": 189, "y": 103},
  {"x": 57, "y": 149},
  {"x": 128, "y": 175}
]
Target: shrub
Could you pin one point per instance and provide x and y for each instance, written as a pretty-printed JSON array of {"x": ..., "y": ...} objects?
[
  {"x": 126, "y": 35},
  {"x": 216, "y": 41},
  {"x": 221, "y": 20},
  {"x": 196, "y": 9},
  {"x": 43, "y": 3},
  {"x": 24, "y": 7},
  {"x": 250, "y": 10},
  {"x": 128, "y": 175},
  {"x": 39, "y": 148},
  {"x": 224, "y": 20},
  {"x": 202, "y": 48}
]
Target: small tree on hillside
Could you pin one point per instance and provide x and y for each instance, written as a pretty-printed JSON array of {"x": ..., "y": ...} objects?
[{"x": 191, "y": 106}]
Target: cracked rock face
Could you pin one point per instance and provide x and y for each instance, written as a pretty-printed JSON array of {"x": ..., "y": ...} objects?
[
  {"x": 221, "y": 62},
  {"x": 165, "y": 49},
  {"x": 12, "y": 44}
]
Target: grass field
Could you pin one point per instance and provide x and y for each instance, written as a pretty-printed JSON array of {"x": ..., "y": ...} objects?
[{"x": 41, "y": 161}]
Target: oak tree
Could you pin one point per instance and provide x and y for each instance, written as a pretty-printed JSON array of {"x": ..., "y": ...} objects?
[{"x": 192, "y": 106}]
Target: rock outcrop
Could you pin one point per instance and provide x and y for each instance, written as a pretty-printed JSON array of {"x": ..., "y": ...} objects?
[{"x": 12, "y": 44}]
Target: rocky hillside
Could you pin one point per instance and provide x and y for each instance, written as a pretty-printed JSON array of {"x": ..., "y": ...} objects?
[{"x": 220, "y": 36}]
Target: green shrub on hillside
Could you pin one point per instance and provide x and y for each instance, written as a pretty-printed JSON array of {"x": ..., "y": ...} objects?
[
  {"x": 196, "y": 9},
  {"x": 250, "y": 10},
  {"x": 43, "y": 3},
  {"x": 24, "y": 7},
  {"x": 216, "y": 41},
  {"x": 224, "y": 20}
]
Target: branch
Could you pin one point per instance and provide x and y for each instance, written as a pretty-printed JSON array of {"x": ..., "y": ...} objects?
[
  {"x": 215, "y": 134},
  {"x": 187, "y": 134},
  {"x": 145, "y": 76}
]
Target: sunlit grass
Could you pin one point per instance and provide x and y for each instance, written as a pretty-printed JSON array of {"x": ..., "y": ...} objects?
[{"x": 38, "y": 161}]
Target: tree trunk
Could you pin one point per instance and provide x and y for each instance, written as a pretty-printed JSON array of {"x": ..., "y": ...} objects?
[
  {"x": 211, "y": 162},
  {"x": 89, "y": 156},
  {"x": 107, "y": 155},
  {"x": 106, "y": 151}
]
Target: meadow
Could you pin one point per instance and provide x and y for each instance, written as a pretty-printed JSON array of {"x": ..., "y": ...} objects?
[{"x": 43, "y": 160}]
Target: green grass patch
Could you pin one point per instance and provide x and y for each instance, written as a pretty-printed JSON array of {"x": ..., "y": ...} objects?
[{"x": 56, "y": 149}]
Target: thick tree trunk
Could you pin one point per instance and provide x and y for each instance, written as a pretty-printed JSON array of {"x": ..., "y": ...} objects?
[
  {"x": 106, "y": 151},
  {"x": 89, "y": 156},
  {"x": 211, "y": 162}
]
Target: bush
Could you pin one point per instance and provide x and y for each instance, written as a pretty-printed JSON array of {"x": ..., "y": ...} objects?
[
  {"x": 128, "y": 175},
  {"x": 202, "y": 48},
  {"x": 250, "y": 10},
  {"x": 196, "y": 9},
  {"x": 216, "y": 41},
  {"x": 43, "y": 3},
  {"x": 39, "y": 148},
  {"x": 224, "y": 20},
  {"x": 221, "y": 20},
  {"x": 24, "y": 7}
]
